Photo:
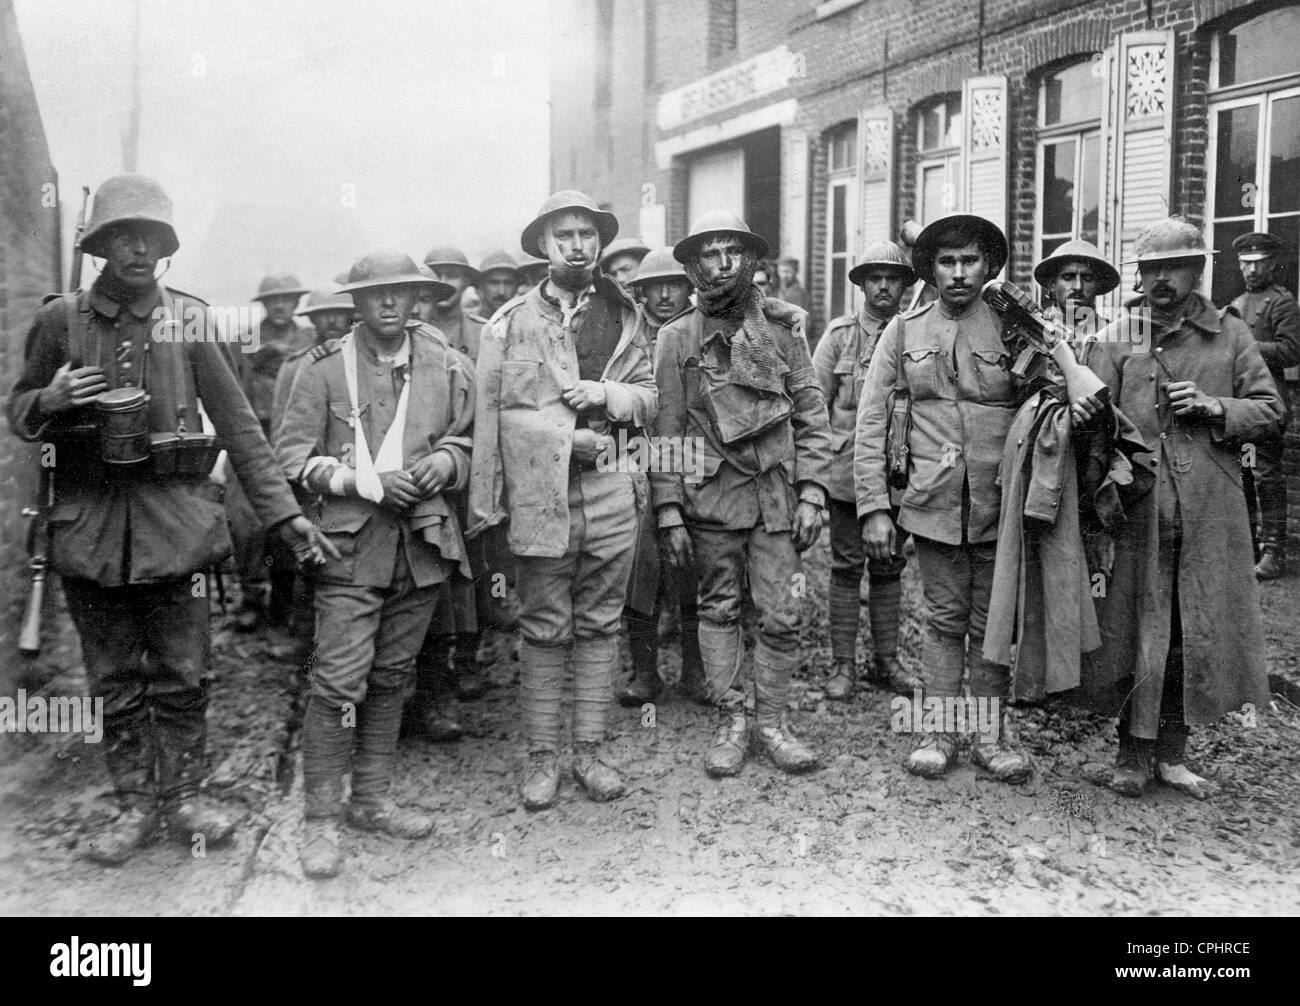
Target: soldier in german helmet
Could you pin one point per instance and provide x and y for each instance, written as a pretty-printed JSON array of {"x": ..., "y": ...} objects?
[
  {"x": 134, "y": 528},
  {"x": 378, "y": 426},
  {"x": 1272, "y": 314},
  {"x": 1182, "y": 642},
  {"x": 842, "y": 357},
  {"x": 737, "y": 385},
  {"x": 564, "y": 381}
]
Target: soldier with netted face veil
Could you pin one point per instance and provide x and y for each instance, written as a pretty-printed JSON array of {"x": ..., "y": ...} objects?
[
  {"x": 564, "y": 384},
  {"x": 737, "y": 387},
  {"x": 137, "y": 520}
]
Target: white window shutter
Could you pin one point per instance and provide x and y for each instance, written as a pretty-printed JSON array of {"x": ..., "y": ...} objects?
[
  {"x": 1137, "y": 131},
  {"x": 984, "y": 148},
  {"x": 876, "y": 176},
  {"x": 794, "y": 197}
]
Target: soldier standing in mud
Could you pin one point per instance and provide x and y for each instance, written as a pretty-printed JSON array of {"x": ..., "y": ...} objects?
[
  {"x": 378, "y": 426},
  {"x": 132, "y": 536},
  {"x": 735, "y": 377},
  {"x": 842, "y": 358},
  {"x": 562, "y": 370}
]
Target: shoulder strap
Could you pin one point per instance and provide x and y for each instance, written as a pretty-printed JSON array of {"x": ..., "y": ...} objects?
[
  {"x": 78, "y": 328},
  {"x": 899, "y": 387}
]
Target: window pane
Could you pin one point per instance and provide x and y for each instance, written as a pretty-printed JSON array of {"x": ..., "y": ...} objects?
[
  {"x": 839, "y": 221},
  {"x": 1284, "y": 154},
  {"x": 839, "y": 283},
  {"x": 1089, "y": 197},
  {"x": 932, "y": 183},
  {"x": 1284, "y": 266},
  {"x": 1235, "y": 161},
  {"x": 932, "y": 128},
  {"x": 1226, "y": 277},
  {"x": 1058, "y": 188},
  {"x": 1072, "y": 95},
  {"x": 1266, "y": 47}
]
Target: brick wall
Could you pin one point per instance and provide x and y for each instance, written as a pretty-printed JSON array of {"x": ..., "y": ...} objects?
[{"x": 29, "y": 268}]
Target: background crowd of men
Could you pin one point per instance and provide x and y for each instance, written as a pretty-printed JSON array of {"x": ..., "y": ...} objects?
[{"x": 409, "y": 472}]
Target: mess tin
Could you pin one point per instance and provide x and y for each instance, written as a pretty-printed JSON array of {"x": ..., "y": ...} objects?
[{"x": 123, "y": 426}]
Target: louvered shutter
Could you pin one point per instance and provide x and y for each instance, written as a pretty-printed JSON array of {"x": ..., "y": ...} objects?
[
  {"x": 876, "y": 176},
  {"x": 984, "y": 148}
]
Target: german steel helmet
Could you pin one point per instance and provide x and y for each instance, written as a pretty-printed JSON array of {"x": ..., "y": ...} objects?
[
  {"x": 713, "y": 223},
  {"x": 568, "y": 199},
  {"x": 327, "y": 298},
  {"x": 449, "y": 257},
  {"x": 280, "y": 284},
  {"x": 1077, "y": 251},
  {"x": 1255, "y": 246},
  {"x": 498, "y": 260},
  {"x": 988, "y": 234},
  {"x": 126, "y": 199},
  {"x": 659, "y": 264},
  {"x": 882, "y": 253},
  {"x": 624, "y": 246},
  {"x": 388, "y": 267},
  {"x": 1172, "y": 237}
]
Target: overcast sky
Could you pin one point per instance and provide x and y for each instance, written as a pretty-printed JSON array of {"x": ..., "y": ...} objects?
[{"x": 426, "y": 120}]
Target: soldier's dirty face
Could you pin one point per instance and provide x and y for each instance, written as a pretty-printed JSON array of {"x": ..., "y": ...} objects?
[
  {"x": 1257, "y": 274},
  {"x": 453, "y": 276},
  {"x": 495, "y": 288},
  {"x": 1168, "y": 282},
  {"x": 883, "y": 289},
  {"x": 424, "y": 305},
  {"x": 331, "y": 324},
  {"x": 959, "y": 274},
  {"x": 279, "y": 309},
  {"x": 721, "y": 259},
  {"x": 664, "y": 298},
  {"x": 133, "y": 254},
  {"x": 1075, "y": 281},
  {"x": 570, "y": 242},
  {"x": 384, "y": 309},
  {"x": 623, "y": 268}
]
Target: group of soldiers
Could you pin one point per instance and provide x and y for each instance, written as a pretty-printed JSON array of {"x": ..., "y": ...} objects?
[{"x": 634, "y": 429}]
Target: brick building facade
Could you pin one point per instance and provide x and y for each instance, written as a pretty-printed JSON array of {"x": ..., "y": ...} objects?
[
  {"x": 29, "y": 269},
  {"x": 826, "y": 125}
]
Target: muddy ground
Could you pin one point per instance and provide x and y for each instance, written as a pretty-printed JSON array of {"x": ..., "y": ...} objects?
[{"x": 860, "y": 837}]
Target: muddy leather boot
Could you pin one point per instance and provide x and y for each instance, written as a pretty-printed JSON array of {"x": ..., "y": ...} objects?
[
  {"x": 541, "y": 679},
  {"x": 326, "y": 751},
  {"x": 643, "y": 643},
  {"x": 431, "y": 709},
  {"x": 180, "y": 724},
  {"x": 932, "y": 755},
  {"x": 1132, "y": 770},
  {"x": 1000, "y": 753},
  {"x": 471, "y": 682},
  {"x": 883, "y": 610},
  {"x": 845, "y": 611},
  {"x": 771, "y": 734},
  {"x": 722, "y": 651},
  {"x": 379, "y": 721},
  {"x": 131, "y": 754},
  {"x": 726, "y": 754},
  {"x": 593, "y": 686},
  {"x": 1272, "y": 562}
]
